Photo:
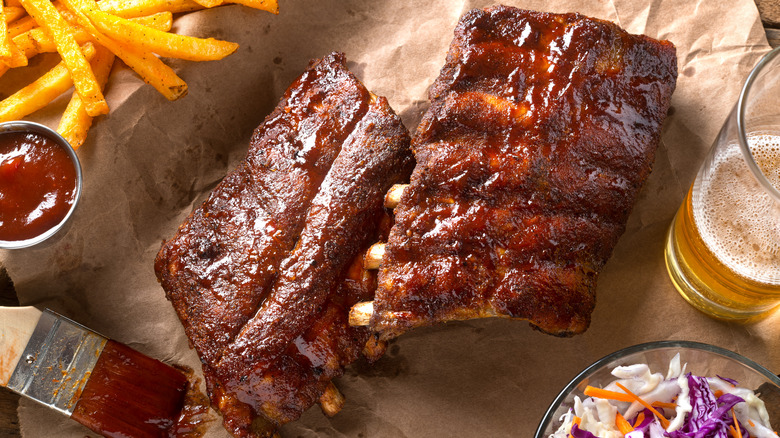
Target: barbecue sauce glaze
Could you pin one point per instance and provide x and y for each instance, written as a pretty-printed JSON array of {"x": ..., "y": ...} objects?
[
  {"x": 131, "y": 395},
  {"x": 37, "y": 185}
]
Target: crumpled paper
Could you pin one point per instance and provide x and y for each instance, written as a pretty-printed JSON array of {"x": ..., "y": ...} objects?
[{"x": 150, "y": 162}]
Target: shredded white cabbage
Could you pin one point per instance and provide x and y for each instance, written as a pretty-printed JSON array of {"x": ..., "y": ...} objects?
[{"x": 597, "y": 416}]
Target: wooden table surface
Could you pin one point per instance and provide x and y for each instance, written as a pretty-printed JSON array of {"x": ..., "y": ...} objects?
[{"x": 9, "y": 422}]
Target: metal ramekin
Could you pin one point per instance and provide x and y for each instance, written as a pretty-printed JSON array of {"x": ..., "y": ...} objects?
[{"x": 24, "y": 126}]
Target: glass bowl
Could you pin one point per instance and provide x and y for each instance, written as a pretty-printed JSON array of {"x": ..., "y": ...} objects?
[{"x": 702, "y": 360}]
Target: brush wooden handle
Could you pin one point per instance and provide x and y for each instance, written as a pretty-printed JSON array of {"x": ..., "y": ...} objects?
[{"x": 16, "y": 327}]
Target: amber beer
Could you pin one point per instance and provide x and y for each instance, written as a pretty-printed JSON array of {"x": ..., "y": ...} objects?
[
  {"x": 723, "y": 248},
  {"x": 723, "y": 251}
]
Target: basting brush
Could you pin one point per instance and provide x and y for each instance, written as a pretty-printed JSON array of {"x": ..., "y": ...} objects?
[{"x": 102, "y": 384}]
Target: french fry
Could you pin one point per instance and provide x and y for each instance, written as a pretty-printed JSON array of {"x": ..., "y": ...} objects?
[
  {"x": 35, "y": 41},
  {"x": 5, "y": 43},
  {"x": 9, "y": 53},
  {"x": 162, "y": 21},
  {"x": 137, "y": 31},
  {"x": 13, "y": 13},
  {"x": 151, "y": 69},
  {"x": 162, "y": 43},
  {"x": 271, "y": 6},
  {"x": 16, "y": 57},
  {"x": 46, "y": 15},
  {"x": 137, "y": 8},
  {"x": 41, "y": 92},
  {"x": 75, "y": 122},
  {"x": 209, "y": 3},
  {"x": 20, "y": 26}
]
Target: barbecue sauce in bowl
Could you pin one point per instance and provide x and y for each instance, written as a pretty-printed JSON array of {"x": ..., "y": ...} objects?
[{"x": 40, "y": 182}]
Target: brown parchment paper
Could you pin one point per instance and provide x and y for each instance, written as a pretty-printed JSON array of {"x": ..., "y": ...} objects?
[{"x": 150, "y": 161}]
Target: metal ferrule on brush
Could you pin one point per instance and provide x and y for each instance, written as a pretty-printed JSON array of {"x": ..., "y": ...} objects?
[{"x": 57, "y": 362}]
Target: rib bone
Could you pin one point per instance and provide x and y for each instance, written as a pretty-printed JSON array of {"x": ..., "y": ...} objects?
[
  {"x": 393, "y": 196},
  {"x": 360, "y": 314},
  {"x": 373, "y": 257},
  {"x": 332, "y": 400}
]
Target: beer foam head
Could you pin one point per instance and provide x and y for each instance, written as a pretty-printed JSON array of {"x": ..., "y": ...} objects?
[{"x": 738, "y": 220}]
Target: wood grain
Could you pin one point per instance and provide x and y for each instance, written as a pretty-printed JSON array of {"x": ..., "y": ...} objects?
[
  {"x": 9, "y": 421},
  {"x": 770, "y": 12}
]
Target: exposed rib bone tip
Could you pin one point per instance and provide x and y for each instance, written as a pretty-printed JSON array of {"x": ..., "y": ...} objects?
[
  {"x": 393, "y": 196},
  {"x": 332, "y": 400},
  {"x": 360, "y": 314},
  {"x": 373, "y": 257}
]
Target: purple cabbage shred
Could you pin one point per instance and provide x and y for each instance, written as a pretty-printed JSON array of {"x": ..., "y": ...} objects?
[
  {"x": 710, "y": 417},
  {"x": 576, "y": 432}
]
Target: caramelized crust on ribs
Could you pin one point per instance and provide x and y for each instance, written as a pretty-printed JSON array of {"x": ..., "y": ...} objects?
[
  {"x": 260, "y": 273},
  {"x": 541, "y": 131}
]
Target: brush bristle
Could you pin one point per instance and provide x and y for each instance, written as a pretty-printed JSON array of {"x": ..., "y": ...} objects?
[{"x": 131, "y": 395}]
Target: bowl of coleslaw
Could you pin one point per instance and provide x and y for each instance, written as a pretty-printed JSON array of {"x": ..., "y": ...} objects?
[{"x": 676, "y": 389}]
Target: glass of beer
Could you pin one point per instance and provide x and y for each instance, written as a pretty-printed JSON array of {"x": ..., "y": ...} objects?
[{"x": 723, "y": 248}]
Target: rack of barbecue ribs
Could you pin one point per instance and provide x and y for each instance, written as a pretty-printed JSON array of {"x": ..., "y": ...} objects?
[
  {"x": 541, "y": 131},
  {"x": 263, "y": 274}
]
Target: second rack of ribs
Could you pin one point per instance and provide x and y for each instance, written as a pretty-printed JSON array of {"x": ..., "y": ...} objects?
[{"x": 541, "y": 131}]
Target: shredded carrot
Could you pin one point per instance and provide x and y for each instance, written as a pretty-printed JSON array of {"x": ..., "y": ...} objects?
[
  {"x": 605, "y": 394},
  {"x": 738, "y": 433},
  {"x": 576, "y": 420},
  {"x": 658, "y": 404},
  {"x": 623, "y": 426},
  {"x": 661, "y": 418},
  {"x": 751, "y": 423},
  {"x": 717, "y": 393},
  {"x": 639, "y": 419}
]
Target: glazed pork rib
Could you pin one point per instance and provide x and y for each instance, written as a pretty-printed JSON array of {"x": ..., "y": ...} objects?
[
  {"x": 541, "y": 131},
  {"x": 262, "y": 268}
]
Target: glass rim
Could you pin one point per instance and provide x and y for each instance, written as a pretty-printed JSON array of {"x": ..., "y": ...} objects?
[
  {"x": 26, "y": 126},
  {"x": 773, "y": 191},
  {"x": 549, "y": 414}
]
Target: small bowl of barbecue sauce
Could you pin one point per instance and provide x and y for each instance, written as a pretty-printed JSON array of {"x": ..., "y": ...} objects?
[{"x": 40, "y": 183}]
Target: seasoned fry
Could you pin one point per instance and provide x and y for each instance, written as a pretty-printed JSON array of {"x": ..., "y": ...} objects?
[
  {"x": 35, "y": 41},
  {"x": 5, "y": 43},
  {"x": 16, "y": 57},
  {"x": 9, "y": 53},
  {"x": 151, "y": 69},
  {"x": 209, "y": 3},
  {"x": 46, "y": 15},
  {"x": 137, "y": 8},
  {"x": 20, "y": 26},
  {"x": 161, "y": 20},
  {"x": 162, "y": 43},
  {"x": 13, "y": 13},
  {"x": 136, "y": 31},
  {"x": 271, "y": 6},
  {"x": 75, "y": 121},
  {"x": 39, "y": 93}
]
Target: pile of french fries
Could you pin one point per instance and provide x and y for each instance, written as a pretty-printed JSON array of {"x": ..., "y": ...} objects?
[{"x": 88, "y": 36}]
